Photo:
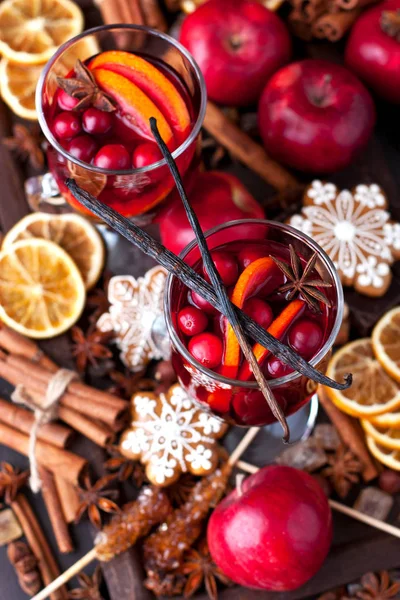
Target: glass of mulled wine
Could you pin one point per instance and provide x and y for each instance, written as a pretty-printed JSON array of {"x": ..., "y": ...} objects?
[
  {"x": 205, "y": 352},
  {"x": 95, "y": 115}
]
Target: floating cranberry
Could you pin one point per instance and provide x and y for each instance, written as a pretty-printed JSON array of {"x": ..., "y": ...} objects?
[
  {"x": 96, "y": 121},
  {"x": 145, "y": 154},
  {"x": 249, "y": 255},
  {"x": 65, "y": 101},
  {"x": 276, "y": 368},
  {"x": 113, "y": 156},
  {"x": 226, "y": 266},
  {"x": 305, "y": 337},
  {"x": 83, "y": 147},
  {"x": 260, "y": 311},
  {"x": 192, "y": 320},
  {"x": 201, "y": 303},
  {"x": 207, "y": 349},
  {"x": 66, "y": 125}
]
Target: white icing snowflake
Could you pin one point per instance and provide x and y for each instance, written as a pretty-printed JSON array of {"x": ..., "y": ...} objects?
[
  {"x": 172, "y": 435},
  {"x": 135, "y": 305},
  {"x": 202, "y": 380},
  {"x": 355, "y": 231}
]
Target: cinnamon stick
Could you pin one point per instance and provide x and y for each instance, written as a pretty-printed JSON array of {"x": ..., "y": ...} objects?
[
  {"x": 22, "y": 419},
  {"x": 65, "y": 463},
  {"x": 16, "y": 343},
  {"x": 38, "y": 544},
  {"x": 68, "y": 497},
  {"x": 99, "y": 433},
  {"x": 351, "y": 434},
  {"x": 298, "y": 25},
  {"x": 333, "y": 26},
  {"x": 246, "y": 150},
  {"x": 55, "y": 511}
]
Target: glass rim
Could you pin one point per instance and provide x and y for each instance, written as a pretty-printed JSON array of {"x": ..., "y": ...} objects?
[
  {"x": 161, "y": 163},
  {"x": 177, "y": 342}
]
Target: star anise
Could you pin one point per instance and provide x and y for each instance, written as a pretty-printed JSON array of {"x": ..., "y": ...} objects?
[
  {"x": 11, "y": 480},
  {"x": 95, "y": 498},
  {"x": 26, "y": 144},
  {"x": 343, "y": 470},
  {"x": 164, "y": 584},
  {"x": 97, "y": 301},
  {"x": 301, "y": 281},
  {"x": 180, "y": 491},
  {"x": 200, "y": 568},
  {"x": 124, "y": 468},
  {"x": 126, "y": 383},
  {"x": 85, "y": 88},
  {"x": 89, "y": 587},
  {"x": 374, "y": 587},
  {"x": 89, "y": 348}
]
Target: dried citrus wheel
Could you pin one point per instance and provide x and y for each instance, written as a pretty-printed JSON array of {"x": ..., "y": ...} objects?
[
  {"x": 385, "y": 436},
  {"x": 42, "y": 292},
  {"x": 72, "y": 232},
  {"x": 373, "y": 392},
  {"x": 390, "y": 419},
  {"x": 386, "y": 342},
  {"x": 31, "y": 31},
  {"x": 388, "y": 457}
]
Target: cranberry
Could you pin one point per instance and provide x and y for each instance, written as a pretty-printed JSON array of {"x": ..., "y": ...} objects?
[
  {"x": 389, "y": 481},
  {"x": 145, "y": 154},
  {"x": 83, "y": 147},
  {"x": 66, "y": 125},
  {"x": 96, "y": 121},
  {"x": 249, "y": 255},
  {"x": 276, "y": 368},
  {"x": 260, "y": 311},
  {"x": 65, "y": 101},
  {"x": 192, "y": 320},
  {"x": 207, "y": 349},
  {"x": 226, "y": 266},
  {"x": 305, "y": 337},
  {"x": 113, "y": 156},
  {"x": 203, "y": 304}
]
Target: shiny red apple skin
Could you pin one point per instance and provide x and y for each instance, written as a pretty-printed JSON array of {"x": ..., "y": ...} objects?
[
  {"x": 216, "y": 198},
  {"x": 238, "y": 45},
  {"x": 276, "y": 535},
  {"x": 315, "y": 116},
  {"x": 373, "y": 55}
]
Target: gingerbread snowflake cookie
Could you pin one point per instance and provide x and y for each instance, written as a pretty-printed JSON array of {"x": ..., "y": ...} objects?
[
  {"x": 135, "y": 307},
  {"x": 355, "y": 230},
  {"x": 171, "y": 435}
]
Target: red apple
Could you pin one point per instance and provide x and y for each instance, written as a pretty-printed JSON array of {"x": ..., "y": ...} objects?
[
  {"x": 238, "y": 45},
  {"x": 315, "y": 116},
  {"x": 274, "y": 533},
  {"x": 373, "y": 53},
  {"x": 216, "y": 198}
]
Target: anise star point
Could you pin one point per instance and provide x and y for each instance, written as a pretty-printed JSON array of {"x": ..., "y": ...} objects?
[
  {"x": 343, "y": 470},
  {"x": 84, "y": 87},
  {"x": 95, "y": 498},
  {"x": 200, "y": 568},
  {"x": 11, "y": 481},
  {"x": 89, "y": 587},
  {"x": 89, "y": 348}
]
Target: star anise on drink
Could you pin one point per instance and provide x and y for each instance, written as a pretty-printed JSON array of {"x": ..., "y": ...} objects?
[
  {"x": 26, "y": 144},
  {"x": 11, "y": 480},
  {"x": 180, "y": 491},
  {"x": 301, "y": 280},
  {"x": 95, "y": 498},
  {"x": 376, "y": 587},
  {"x": 89, "y": 587},
  {"x": 89, "y": 348},
  {"x": 124, "y": 468},
  {"x": 343, "y": 470},
  {"x": 85, "y": 89},
  {"x": 200, "y": 568}
]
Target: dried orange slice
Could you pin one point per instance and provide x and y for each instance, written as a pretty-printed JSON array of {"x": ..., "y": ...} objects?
[
  {"x": 42, "y": 293},
  {"x": 18, "y": 86},
  {"x": 31, "y": 31},
  {"x": 385, "y": 436},
  {"x": 79, "y": 238},
  {"x": 388, "y": 457},
  {"x": 373, "y": 392},
  {"x": 386, "y": 342},
  {"x": 391, "y": 419}
]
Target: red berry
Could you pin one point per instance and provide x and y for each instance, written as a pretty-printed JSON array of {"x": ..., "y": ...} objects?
[
  {"x": 65, "y": 101},
  {"x": 66, "y": 125},
  {"x": 203, "y": 304},
  {"x": 249, "y": 255},
  {"x": 226, "y": 266},
  {"x": 276, "y": 368},
  {"x": 305, "y": 337},
  {"x": 145, "y": 154},
  {"x": 260, "y": 311},
  {"x": 83, "y": 147},
  {"x": 192, "y": 320},
  {"x": 207, "y": 349},
  {"x": 113, "y": 156},
  {"x": 96, "y": 121}
]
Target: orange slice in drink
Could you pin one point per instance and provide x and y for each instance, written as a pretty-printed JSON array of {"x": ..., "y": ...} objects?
[
  {"x": 134, "y": 105},
  {"x": 385, "y": 436},
  {"x": 152, "y": 82},
  {"x": 386, "y": 342},
  {"x": 387, "y": 456}
]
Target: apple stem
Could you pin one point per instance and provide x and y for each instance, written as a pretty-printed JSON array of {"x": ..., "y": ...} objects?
[
  {"x": 390, "y": 23},
  {"x": 239, "y": 482}
]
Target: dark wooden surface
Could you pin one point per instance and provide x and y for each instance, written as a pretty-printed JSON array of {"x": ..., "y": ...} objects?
[{"x": 356, "y": 548}]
